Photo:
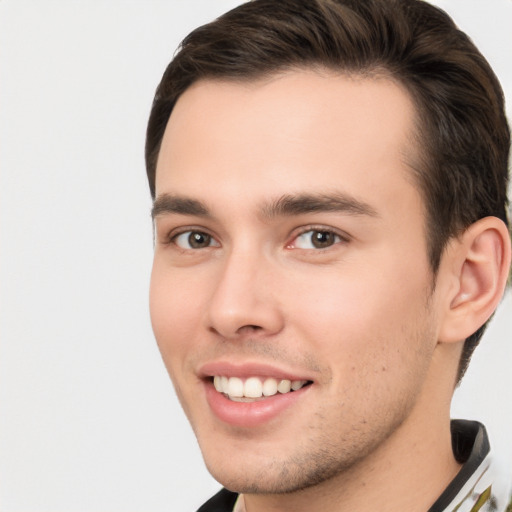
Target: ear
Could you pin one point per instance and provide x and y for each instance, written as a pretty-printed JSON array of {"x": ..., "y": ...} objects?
[{"x": 479, "y": 266}]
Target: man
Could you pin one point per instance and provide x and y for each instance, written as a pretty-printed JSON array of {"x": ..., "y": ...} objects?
[{"x": 329, "y": 182}]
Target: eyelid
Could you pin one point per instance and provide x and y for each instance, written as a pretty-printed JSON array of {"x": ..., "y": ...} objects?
[
  {"x": 345, "y": 237},
  {"x": 169, "y": 237}
]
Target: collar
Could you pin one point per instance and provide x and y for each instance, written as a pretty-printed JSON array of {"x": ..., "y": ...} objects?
[{"x": 475, "y": 487}]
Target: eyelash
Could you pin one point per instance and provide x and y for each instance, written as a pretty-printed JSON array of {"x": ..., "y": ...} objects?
[
  {"x": 337, "y": 238},
  {"x": 173, "y": 237},
  {"x": 342, "y": 238}
]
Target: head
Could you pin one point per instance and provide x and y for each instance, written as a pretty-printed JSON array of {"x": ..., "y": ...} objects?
[
  {"x": 443, "y": 156},
  {"x": 461, "y": 129}
]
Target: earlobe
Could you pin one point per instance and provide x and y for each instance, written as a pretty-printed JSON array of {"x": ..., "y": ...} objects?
[{"x": 481, "y": 265}]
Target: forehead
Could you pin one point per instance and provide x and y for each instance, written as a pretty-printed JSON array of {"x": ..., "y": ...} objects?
[{"x": 295, "y": 131}]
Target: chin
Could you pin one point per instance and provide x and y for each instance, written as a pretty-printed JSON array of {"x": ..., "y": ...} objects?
[{"x": 273, "y": 475}]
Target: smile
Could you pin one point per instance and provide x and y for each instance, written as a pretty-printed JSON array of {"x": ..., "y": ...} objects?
[{"x": 255, "y": 388}]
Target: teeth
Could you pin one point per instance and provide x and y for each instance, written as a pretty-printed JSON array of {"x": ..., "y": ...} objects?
[
  {"x": 254, "y": 387},
  {"x": 269, "y": 387},
  {"x": 297, "y": 384},
  {"x": 284, "y": 386},
  {"x": 235, "y": 387}
]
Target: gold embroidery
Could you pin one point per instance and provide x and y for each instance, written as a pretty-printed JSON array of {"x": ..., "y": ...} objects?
[{"x": 482, "y": 499}]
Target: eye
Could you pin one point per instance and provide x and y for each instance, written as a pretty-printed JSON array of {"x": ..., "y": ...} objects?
[
  {"x": 194, "y": 240},
  {"x": 316, "y": 239}
]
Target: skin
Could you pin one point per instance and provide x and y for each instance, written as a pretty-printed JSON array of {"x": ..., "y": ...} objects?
[{"x": 361, "y": 317}]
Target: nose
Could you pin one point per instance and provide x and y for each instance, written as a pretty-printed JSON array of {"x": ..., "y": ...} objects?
[{"x": 245, "y": 300}]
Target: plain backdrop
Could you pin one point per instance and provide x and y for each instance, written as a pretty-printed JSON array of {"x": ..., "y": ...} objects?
[{"x": 88, "y": 417}]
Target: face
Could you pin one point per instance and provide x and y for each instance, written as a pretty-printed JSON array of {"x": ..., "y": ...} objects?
[{"x": 291, "y": 296}]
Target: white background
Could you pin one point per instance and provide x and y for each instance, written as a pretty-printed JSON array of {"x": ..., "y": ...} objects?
[{"x": 88, "y": 418}]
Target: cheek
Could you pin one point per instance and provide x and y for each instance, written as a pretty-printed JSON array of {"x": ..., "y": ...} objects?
[
  {"x": 174, "y": 310},
  {"x": 365, "y": 319},
  {"x": 375, "y": 339}
]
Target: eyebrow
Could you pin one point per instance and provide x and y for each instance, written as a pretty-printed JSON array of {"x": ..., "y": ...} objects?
[
  {"x": 289, "y": 205},
  {"x": 285, "y": 206},
  {"x": 169, "y": 203}
]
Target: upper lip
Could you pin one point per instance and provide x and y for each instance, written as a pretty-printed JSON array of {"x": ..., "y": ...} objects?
[{"x": 249, "y": 369}]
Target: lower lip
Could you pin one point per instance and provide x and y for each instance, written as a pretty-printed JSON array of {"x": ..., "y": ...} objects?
[{"x": 250, "y": 414}]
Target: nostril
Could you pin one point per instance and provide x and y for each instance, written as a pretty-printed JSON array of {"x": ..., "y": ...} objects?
[
  {"x": 249, "y": 328},
  {"x": 245, "y": 329}
]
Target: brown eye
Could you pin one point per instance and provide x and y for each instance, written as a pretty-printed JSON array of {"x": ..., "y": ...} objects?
[
  {"x": 194, "y": 240},
  {"x": 316, "y": 239},
  {"x": 321, "y": 239},
  {"x": 198, "y": 240}
]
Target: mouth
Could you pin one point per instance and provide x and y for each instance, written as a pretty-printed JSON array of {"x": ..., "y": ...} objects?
[
  {"x": 253, "y": 395},
  {"x": 253, "y": 389}
]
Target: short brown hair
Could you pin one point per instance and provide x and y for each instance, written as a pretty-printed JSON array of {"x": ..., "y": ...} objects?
[{"x": 465, "y": 138}]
